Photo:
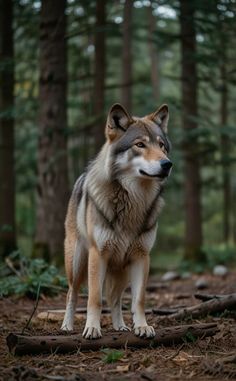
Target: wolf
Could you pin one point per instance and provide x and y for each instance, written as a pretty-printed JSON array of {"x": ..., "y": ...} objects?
[{"x": 111, "y": 220}]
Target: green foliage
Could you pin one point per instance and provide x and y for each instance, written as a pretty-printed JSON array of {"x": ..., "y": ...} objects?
[
  {"x": 21, "y": 276},
  {"x": 193, "y": 266},
  {"x": 111, "y": 355},
  {"x": 189, "y": 337},
  {"x": 215, "y": 255},
  {"x": 220, "y": 254}
]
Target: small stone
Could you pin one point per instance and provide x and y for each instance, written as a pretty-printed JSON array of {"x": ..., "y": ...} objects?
[
  {"x": 186, "y": 275},
  {"x": 170, "y": 275},
  {"x": 201, "y": 283},
  {"x": 220, "y": 270}
]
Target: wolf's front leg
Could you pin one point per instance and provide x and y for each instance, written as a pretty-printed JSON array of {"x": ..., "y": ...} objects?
[
  {"x": 97, "y": 266},
  {"x": 138, "y": 275}
]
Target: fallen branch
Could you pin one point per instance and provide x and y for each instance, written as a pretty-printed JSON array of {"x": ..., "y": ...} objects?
[
  {"x": 23, "y": 345},
  {"x": 11, "y": 266},
  {"x": 166, "y": 311},
  {"x": 81, "y": 313},
  {"x": 228, "y": 302},
  {"x": 206, "y": 297}
]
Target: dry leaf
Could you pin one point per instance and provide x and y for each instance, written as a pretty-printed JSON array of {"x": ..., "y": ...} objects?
[{"x": 122, "y": 368}]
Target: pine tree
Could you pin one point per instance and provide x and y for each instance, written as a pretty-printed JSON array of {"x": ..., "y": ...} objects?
[
  {"x": 192, "y": 181},
  {"x": 126, "y": 90},
  {"x": 52, "y": 144},
  {"x": 100, "y": 72},
  {"x": 7, "y": 175}
]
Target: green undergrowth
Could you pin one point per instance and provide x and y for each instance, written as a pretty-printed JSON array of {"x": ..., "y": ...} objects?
[
  {"x": 22, "y": 276},
  {"x": 111, "y": 356},
  {"x": 215, "y": 255}
]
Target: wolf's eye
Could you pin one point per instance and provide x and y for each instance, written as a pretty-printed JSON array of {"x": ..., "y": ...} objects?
[
  {"x": 161, "y": 145},
  {"x": 140, "y": 145}
]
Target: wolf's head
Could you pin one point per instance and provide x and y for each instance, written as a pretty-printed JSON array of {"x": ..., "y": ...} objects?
[{"x": 139, "y": 146}]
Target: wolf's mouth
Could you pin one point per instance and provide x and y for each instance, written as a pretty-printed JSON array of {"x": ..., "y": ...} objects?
[{"x": 159, "y": 175}]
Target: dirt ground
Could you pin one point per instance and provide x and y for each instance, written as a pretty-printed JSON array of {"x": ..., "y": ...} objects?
[{"x": 200, "y": 360}]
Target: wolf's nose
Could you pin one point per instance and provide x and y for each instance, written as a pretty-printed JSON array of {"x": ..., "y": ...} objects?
[{"x": 166, "y": 164}]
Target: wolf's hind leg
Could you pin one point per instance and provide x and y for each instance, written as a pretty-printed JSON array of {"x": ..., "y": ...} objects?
[
  {"x": 76, "y": 268},
  {"x": 97, "y": 267},
  {"x": 71, "y": 300},
  {"x": 115, "y": 286}
]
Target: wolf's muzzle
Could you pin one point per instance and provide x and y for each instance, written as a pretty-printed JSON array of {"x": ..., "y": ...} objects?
[{"x": 165, "y": 166}]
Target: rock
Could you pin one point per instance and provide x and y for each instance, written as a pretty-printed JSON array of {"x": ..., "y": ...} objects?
[
  {"x": 201, "y": 283},
  {"x": 220, "y": 270},
  {"x": 186, "y": 275},
  {"x": 170, "y": 275}
]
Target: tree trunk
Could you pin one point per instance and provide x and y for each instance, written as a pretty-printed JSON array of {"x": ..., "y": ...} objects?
[
  {"x": 126, "y": 90},
  {"x": 100, "y": 72},
  {"x": 225, "y": 149},
  {"x": 52, "y": 145},
  {"x": 225, "y": 141},
  {"x": 7, "y": 175},
  {"x": 153, "y": 54},
  {"x": 192, "y": 182}
]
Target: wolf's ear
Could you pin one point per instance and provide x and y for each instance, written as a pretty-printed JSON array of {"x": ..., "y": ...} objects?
[
  {"x": 118, "y": 121},
  {"x": 161, "y": 117}
]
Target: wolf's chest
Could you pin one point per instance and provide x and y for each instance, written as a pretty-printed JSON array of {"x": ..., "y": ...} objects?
[
  {"x": 116, "y": 244},
  {"x": 127, "y": 215}
]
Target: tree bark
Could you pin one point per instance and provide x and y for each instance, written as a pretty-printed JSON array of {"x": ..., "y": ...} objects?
[
  {"x": 52, "y": 143},
  {"x": 225, "y": 141},
  {"x": 192, "y": 181},
  {"x": 153, "y": 54},
  {"x": 100, "y": 72},
  {"x": 22, "y": 345},
  {"x": 127, "y": 59},
  {"x": 7, "y": 175}
]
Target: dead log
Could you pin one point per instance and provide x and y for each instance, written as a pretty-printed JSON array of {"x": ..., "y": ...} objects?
[
  {"x": 206, "y": 308},
  {"x": 24, "y": 345}
]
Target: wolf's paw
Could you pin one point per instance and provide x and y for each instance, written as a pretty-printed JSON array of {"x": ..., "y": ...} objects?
[
  {"x": 92, "y": 333},
  {"x": 123, "y": 328},
  {"x": 145, "y": 331},
  {"x": 67, "y": 327}
]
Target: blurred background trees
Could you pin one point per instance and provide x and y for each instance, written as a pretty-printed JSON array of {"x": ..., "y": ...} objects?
[
  {"x": 72, "y": 60},
  {"x": 7, "y": 175}
]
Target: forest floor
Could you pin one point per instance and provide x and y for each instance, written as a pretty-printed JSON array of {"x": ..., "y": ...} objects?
[{"x": 196, "y": 361}]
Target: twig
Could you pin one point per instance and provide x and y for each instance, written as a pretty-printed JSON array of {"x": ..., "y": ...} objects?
[
  {"x": 230, "y": 358},
  {"x": 55, "y": 378},
  {"x": 167, "y": 311},
  {"x": 34, "y": 310},
  {"x": 175, "y": 354},
  {"x": 11, "y": 266}
]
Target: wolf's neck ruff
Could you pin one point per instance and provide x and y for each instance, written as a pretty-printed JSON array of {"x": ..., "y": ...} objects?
[
  {"x": 122, "y": 204},
  {"x": 126, "y": 204}
]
